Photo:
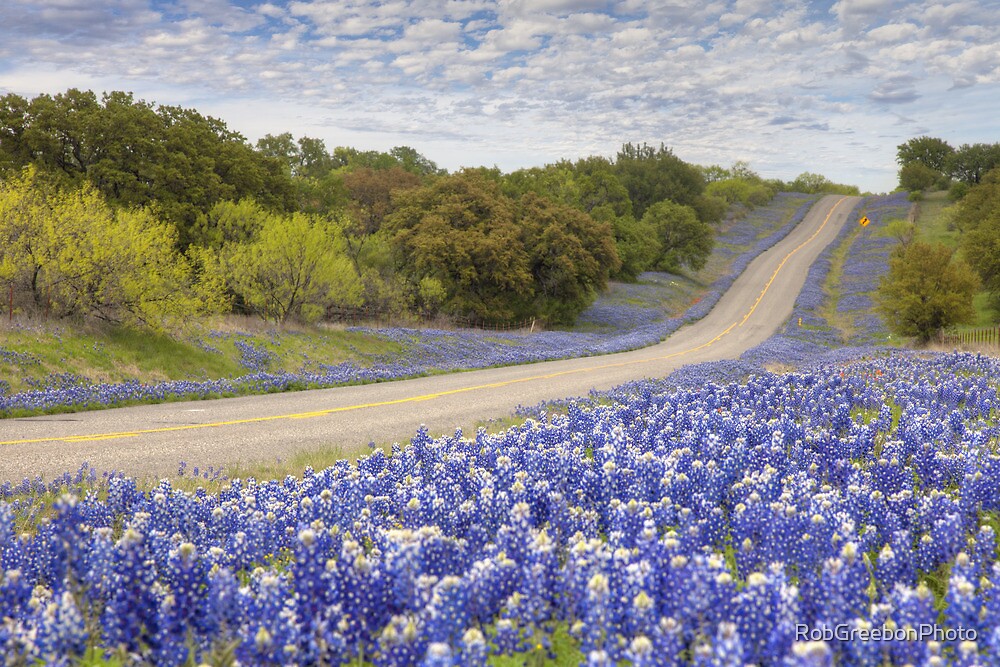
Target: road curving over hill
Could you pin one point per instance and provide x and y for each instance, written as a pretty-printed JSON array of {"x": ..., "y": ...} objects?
[{"x": 153, "y": 439}]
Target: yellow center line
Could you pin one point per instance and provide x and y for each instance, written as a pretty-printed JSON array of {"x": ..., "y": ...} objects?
[
  {"x": 787, "y": 257},
  {"x": 432, "y": 396}
]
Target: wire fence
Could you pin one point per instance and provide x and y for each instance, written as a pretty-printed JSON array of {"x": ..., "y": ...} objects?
[{"x": 982, "y": 336}]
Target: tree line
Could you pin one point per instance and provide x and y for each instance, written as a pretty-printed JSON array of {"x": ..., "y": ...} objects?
[
  {"x": 927, "y": 163},
  {"x": 133, "y": 212},
  {"x": 930, "y": 287}
]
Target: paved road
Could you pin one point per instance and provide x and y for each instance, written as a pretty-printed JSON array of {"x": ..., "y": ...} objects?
[{"x": 151, "y": 440}]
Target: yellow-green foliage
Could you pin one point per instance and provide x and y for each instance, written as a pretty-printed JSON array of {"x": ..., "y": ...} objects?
[
  {"x": 745, "y": 191},
  {"x": 294, "y": 268},
  {"x": 69, "y": 253}
]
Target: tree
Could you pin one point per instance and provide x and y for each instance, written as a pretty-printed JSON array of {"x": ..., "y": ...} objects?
[
  {"x": 462, "y": 231},
  {"x": 926, "y": 290},
  {"x": 746, "y": 192},
  {"x": 314, "y": 160},
  {"x": 293, "y": 270},
  {"x": 138, "y": 155},
  {"x": 810, "y": 183},
  {"x": 978, "y": 218},
  {"x": 652, "y": 175},
  {"x": 229, "y": 222},
  {"x": 305, "y": 158},
  {"x": 971, "y": 162},
  {"x": 280, "y": 147},
  {"x": 916, "y": 176},
  {"x": 26, "y": 203},
  {"x": 415, "y": 163},
  {"x": 570, "y": 257},
  {"x": 684, "y": 240},
  {"x": 76, "y": 256},
  {"x": 591, "y": 185},
  {"x": 930, "y": 152},
  {"x": 598, "y": 185},
  {"x": 636, "y": 242},
  {"x": 370, "y": 200}
]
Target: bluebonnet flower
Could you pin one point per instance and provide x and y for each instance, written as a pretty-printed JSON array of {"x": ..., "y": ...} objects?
[{"x": 670, "y": 525}]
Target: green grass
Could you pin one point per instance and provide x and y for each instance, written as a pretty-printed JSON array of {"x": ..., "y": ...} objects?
[
  {"x": 831, "y": 287},
  {"x": 563, "y": 646},
  {"x": 207, "y": 350},
  {"x": 933, "y": 220}
]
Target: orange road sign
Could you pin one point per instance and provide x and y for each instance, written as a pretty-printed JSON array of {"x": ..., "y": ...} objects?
[{"x": 864, "y": 221}]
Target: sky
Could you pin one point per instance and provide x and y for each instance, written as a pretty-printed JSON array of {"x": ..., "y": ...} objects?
[{"x": 825, "y": 87}]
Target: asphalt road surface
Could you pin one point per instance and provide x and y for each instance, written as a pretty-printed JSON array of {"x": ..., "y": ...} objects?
[{"x": 153, "y": 439}]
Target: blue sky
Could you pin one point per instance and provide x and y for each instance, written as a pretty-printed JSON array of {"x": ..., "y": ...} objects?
[{"x": 828, "y": 87}]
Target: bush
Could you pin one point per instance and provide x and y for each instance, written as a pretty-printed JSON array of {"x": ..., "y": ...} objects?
[{"x": 926, "y": 290}]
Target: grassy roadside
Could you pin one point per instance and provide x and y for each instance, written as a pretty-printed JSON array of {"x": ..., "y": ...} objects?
[{"x": 41, "y": 353}]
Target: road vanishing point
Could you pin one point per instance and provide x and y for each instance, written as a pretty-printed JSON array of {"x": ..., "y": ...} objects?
[{"x": 151, "y": 440}]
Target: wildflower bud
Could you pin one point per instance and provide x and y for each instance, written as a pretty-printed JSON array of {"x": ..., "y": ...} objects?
[
  {"x": 598, "y": 585},
  {"x": 414, "y": 504},
  {"x": 186, "y": 550},
  {"x": 410, "y": 631},
  {"x": 962, "y": 559},
  {"x": 438, "y": 650},
  {"x": 262, "y": 639},
  {"x": 307, "y": 537},
  {"x": 757, "y": 579},
  {"x": 811, "y": 652},
  {"x": 641, "y": 646},
  {"x": 642, "y": 602},
  {"x": 130, "y": 537},
  {"x": 473, "y": 637}
]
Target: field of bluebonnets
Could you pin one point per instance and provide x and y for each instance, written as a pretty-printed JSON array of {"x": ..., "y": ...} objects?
[
  {"x": 629, "y": 316},
  {"x": 706, "y": 519}
]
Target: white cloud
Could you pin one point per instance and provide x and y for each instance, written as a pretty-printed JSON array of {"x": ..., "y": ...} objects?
[
  {"x": 525, "y": 79},
  {"x": 890, "y": 32}
]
